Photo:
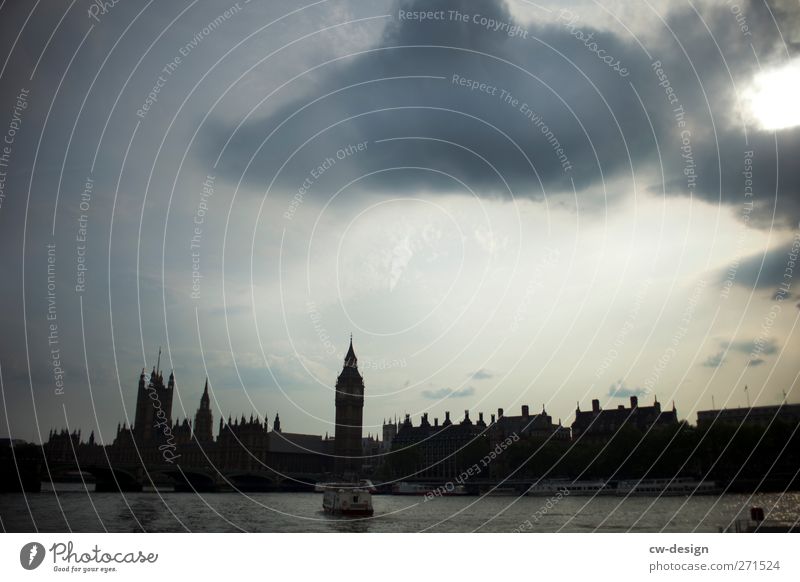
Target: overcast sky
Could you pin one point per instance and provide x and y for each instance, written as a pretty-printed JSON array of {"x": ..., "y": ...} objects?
[{"x": 505, "y": 203}]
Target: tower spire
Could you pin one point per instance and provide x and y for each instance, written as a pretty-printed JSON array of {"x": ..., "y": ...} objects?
[
  {"x": 205, "y": 402},
  {"x": 350, "y": 360},
  {"x": 158, "y": 363}
]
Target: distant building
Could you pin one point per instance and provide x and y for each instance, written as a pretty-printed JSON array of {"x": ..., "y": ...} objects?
[
  {"x": 389, "y": 431},
  {"x": 153, "y": 407},
  {"x": 597, "y": 425},
  {"x": 444, "y": 451},
  {"x": 204, "y": 419},
  {"x": 9, "y": 442},
  {"x": 438, "y": 451},
  {"x": 527, "y": 425},
  {"x": 62, "y": 445},
  {"x": 371, "y": 450},
  {"x": 242, "y": 444},
  {"x": 754, "y": 416}
]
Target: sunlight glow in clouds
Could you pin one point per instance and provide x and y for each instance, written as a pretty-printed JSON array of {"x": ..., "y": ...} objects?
[{"x": 772, "y": 99}]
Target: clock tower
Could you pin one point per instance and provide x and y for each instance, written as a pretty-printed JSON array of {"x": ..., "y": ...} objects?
[{"x": 349, "y": 416}]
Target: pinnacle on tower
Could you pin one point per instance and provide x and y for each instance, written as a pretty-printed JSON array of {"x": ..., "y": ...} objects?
[{"x": 350, "y": 360}]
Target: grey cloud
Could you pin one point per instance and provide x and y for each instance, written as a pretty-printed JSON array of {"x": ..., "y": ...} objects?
[
  {"x": 448, "y": 393},
  {"x": 715, "y": 360},
  {"x": 768, "y": 346},
  {"x": 482, "y": 374},
  {"x": 619, "y": 390}
]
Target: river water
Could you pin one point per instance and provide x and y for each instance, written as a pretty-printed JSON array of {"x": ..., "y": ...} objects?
[{"x": 71, "y": 508}]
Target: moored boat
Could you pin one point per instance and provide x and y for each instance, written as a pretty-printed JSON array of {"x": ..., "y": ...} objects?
[
  {"x": 499, "y": 492},
  {"x": 406, "y": 488},
  {"x": 759, "y": 524}
]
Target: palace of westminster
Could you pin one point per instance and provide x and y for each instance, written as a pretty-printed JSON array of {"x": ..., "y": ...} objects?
[{"x": 251, "y": 445}]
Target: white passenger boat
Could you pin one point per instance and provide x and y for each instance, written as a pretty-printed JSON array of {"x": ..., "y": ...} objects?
[
  {"x": 667, "y": 487},
  {"x": 347, "y": 499},
  {"x": 550, "y": 487},
  {"x": 446, "y": 490}
]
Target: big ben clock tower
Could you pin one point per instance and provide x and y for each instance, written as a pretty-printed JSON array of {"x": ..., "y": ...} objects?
[{"x": 349, "y": 415}]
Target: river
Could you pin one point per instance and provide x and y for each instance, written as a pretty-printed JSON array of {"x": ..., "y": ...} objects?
[{"x": 70, "y": 508}]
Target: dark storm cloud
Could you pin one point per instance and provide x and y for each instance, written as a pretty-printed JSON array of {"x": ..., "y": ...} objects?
[
  {"x": 587, "y": 113},
  {"x": 763, "y": 270}
]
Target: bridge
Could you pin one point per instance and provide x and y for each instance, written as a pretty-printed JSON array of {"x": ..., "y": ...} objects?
[{"x": 24, "y": 468}]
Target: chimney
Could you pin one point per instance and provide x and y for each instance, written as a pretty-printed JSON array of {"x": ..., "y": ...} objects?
[
  {"x": 595, "y": 405},
  {"x": 525, "y": 411},
  {"x": 447, "y": 416},
  {"x": 493, "y": 419},
  {"x": 436, "y": 421},
  {"x": 634, "y": 402},
  {"x": 480, "y": 417},
  {"x": 499, "y": 413}
]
